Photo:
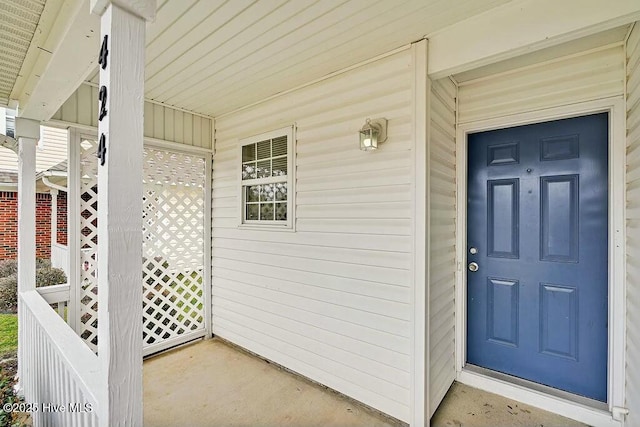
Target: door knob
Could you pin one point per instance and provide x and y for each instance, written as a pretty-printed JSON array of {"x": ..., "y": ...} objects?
[{"x": 473, "y": 266}]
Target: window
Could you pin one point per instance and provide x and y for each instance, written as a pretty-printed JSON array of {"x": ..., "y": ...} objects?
[{"x": 266, "y": 178}]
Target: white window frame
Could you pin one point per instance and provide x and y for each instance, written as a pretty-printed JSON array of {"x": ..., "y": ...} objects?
[{"x": 289, "y": 224}]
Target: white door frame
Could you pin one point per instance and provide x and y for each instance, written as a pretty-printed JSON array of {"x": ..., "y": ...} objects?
[{"x": 615, "y": 106}]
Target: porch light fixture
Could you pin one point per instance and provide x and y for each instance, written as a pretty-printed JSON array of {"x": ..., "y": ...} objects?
[{"x": 373, "y": 132}]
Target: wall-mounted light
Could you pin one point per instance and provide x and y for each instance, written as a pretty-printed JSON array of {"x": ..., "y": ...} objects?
[{"x": 373, "y": 132}]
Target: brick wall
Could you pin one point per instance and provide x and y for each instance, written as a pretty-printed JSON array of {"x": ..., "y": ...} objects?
[
  {"x": 43, "y": 225},
  {"x": 9, "y": 224},
  {"x": 62, "y": 218}
]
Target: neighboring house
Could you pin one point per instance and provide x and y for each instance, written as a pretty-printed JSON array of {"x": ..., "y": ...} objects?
[
  {"x": 52, "y": 150},
  {"x": 492, "y": 238},
  {"x": 9, "y": 225}
]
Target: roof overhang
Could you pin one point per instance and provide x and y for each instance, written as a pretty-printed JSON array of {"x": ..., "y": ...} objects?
[
  {"x": 19, "y": 22},
  {"x": 522, "y": 27},
  {"x": 8, "y": 142},
  {"x": 214, "y": 57},
  {"x": 62, "y": 54}
]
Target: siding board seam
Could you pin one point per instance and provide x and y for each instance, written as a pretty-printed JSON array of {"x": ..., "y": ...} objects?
[{"x": 330, "y": 347}]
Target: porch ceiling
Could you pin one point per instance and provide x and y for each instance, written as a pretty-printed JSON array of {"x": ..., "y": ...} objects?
[
  {"x": 18, "y": 23},
  {"x": 215, "y": 56}
]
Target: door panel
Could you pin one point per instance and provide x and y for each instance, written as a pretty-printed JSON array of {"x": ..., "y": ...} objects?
[
  {"x": 559, "y": 218},
  {"x": 502, "y": 311},
  {"x": 502, "y": 218},
  {"x": 537, "y": 213}
]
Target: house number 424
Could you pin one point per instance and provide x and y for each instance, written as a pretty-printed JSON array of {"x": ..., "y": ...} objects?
[{"x": 102, "y": 97}]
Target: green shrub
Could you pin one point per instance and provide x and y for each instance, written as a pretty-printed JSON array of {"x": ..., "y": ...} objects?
[
  {"x": 45, "y": 276},
  {"x": 49, "y": 277},
  {"x": 9, "y": 293},
  {"x": 42, "y": 263},
  {"x": 8, "y": 267}
]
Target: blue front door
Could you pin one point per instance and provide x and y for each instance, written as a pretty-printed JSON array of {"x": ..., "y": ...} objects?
[{"x": 537, "y": 230}]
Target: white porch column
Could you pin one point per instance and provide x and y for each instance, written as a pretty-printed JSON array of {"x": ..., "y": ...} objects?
[
  {"x": 74, "y": 244},
  {"x": 120, "y": 208},
  {"x": 27, "y": 134},
  {"x": 54, "y": 216}
]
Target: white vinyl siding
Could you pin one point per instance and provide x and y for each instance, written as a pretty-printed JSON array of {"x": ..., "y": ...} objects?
[
  {"x": 582, "y": 77},
  {"x": 331, "y": 301},
  {"x": 633, "y": 227},
  {"x": 52, "y": 149},
  {"x": 160, "y": 121},
  {"x": 442, "y": 257}
]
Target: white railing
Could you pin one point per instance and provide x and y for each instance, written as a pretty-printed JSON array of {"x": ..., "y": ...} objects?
[
  {"x": 58, "y": 369},
  {"x": 58, "y": 295},
  {"x": 60, "y": 257}
]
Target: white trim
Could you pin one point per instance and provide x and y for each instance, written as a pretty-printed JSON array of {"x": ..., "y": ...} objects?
[
  {"x": 26, "y": 234},
  {"x": 176, "y": 146},
  {"x": 154, "y": 142},
  {"x": 421, "y": 89},
  {"x": 267, "y": 180},
  {"x": 144, "y": 9},
  {"x": 539, "y": 64},
  {"x": 61, "y": 124},
  {"x": 617, "y": 256},
  {"x": 497, "y": 34},
  {"x": 582, "y": 413},
  {"x": 171, "y": 343},
  {"x": 213, "y": 136},
  {"x": 162, "y": 104},
  {"x": 54, "y": 214},
  {"x": 72, "y": 35},
  {"x": 73, "y": 228},
  {"x": 289, "y": 225},
  {"x": 615, "y": 106},
  {"x": 51, "y": 185},
  {"x": 285, "y": 131},
  {"x": 208, "y": 246}
]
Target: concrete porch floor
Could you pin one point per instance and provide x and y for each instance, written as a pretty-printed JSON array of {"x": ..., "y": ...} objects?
[
  {"x": 466, "y": 406},
  {"x": 211, "y": 383}
]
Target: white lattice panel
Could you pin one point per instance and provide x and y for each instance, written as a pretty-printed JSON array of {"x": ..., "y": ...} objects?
[
  {"x": 165, "y": 167},
  {"x": 173, "y": 246},
  {"x": 89, "y": 243}
]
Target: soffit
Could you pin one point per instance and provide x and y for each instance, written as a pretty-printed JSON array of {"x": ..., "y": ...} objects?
[
  {"x": 215, "y": 56},
  {"x": 18, "y": 22},
  {"x": 595, "y": 41}
]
